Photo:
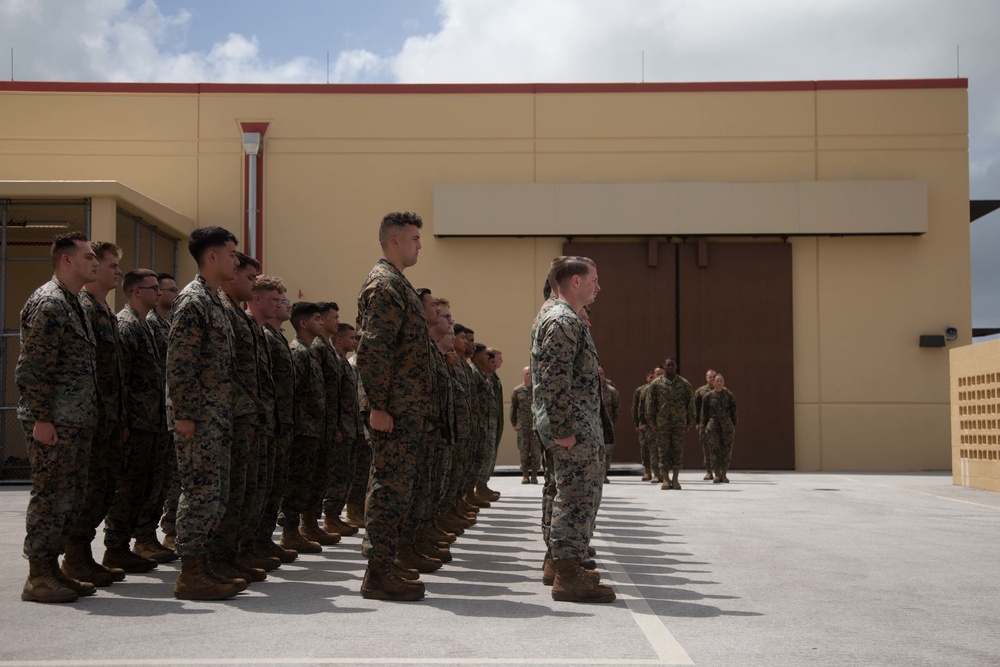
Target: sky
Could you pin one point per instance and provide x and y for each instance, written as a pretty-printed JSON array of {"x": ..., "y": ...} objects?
[{"x": 489, "y": 41}]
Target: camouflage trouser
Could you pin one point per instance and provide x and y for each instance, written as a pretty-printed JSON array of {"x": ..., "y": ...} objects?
[
  {"x": 58, "y": 487},
  {"x": 164, "y": 473},
  {"x": 359, "y": 480},
  {"x": 488, "y": 456},
  {"x": 340, "y": 475},
  {"x": 321, "y": 475},
  {"x": 171, "y": 491},
  {"x": 578, "y": 476},
  {"x": 223, "y": 541},
  {"x": 720, "y": 440},
  {"x": 259, "y": 474},
  {"x": 107, "y": 455},
  {"x": 278, "y": 480},
  {"x": 452, "y": 489},
  {"x": 134, "y": 487},
  {"x": 644, "y": 453},
  {"x": 390, "y": 486},
  {"x": 609, "y": 451},
  {"x": 548, "y": 493},
  {"x": 530, "y": 449},
  {"x": 203, "y": 470},
  {"x": 301, "y": 471},
  {"x": 427, "y": 488},
  {"x": 667, "y": 449},
  {"x": 707, "y": 460}
]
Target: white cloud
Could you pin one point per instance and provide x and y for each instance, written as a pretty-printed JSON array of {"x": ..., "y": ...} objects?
[{"x": 357, "y": 65}]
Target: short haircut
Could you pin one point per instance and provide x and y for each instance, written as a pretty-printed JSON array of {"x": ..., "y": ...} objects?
[
  {"x": 247, "y": 260},
  {"x": 302, "y": 310},
  {"x": 422, "y": 292},
  {"x": 165, "y": 276},
  {"x": 459, "y": 329},
  {"x": 546, "y": 290},
  {"x": 493, "y": 350},
  {"x": 326, "y": 306},
  {"x": 441, "y": 301},
  {"x": 565, "y": 267},
  {"x": 102, "y": 248},
  {"x": 65, "y": 244},
  {"x": 269, "y": 284},
  {"x": 134, "y": 279},
  {"x": 668, "y": 360},
  {"x": 394, "y": 223},
  {"x": 344, "y": 329},
  {"x": 469, "y": 330},
  {"x": 204, "y": 239},
  {"x": 479, "y": 348}
]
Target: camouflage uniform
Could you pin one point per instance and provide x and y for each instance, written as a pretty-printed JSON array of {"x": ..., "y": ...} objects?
[
  {"x": 309, "y": 432},
  {"x": 363, "y": 459},
  {"x": 639, "y": 419},
  {"x": 395, "y": 367},
  {"x": 699, "y": 398},
  {"x": 611, "y": 411},
  {"x": 259, "y": 484},
  {"x": 669, "y": 408},
  {"x": 107, "y": 452},
  {"x": 487, "y": 402},
  {"x": 200, "y": 373},
  {"x": 331, "y": 454},
  {"x": 145, "y": 390},
  {"x": 162, "y": 509},
  {"x": 523, "y": 421},
  {"x": 498, "y": 396},
  {"x": 718, "y": 423},
  {"x": 471, "y": 454},
  {"x": 462, "y": 430},
  {"x": 549, "y": 478},
  {"x": 283, "y": 377},
  {"x": 247, "y": 412},
  {"x": 566, "y": 402},
  {"x": 56, "y": 375},
  {"x": 341, "y": 468}
]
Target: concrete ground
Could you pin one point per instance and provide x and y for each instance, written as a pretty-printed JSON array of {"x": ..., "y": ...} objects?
[{"x": 772, "y": 569}]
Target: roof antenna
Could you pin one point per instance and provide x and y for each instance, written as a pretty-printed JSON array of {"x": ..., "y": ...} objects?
[{"x": 958, "y": 61}]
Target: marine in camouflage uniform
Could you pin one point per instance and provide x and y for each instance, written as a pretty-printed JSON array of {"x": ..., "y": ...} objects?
[
  {"x": 332, "y": 459},
  {"x": 162, "y": 510},
  {"x": 200, "y": 375},
  {"x": 283, "y": 377},
  {"x": 718, "y": 423},
  {"x": 699, "y": 397},
  {"x": 487, "y": 402},
  {"x": 145, "y": 387},
  {"x": 611, "y": 411},
  {"x": 56, "y": 374},
  {"x": 260, "y": 480},
  {"x": 363, "y": 460},
  {"x": 341, "y": 471},
  {"x": 639, "y": 421},
  {"x": 669, "y": 411},
  {"x": 394, "y": 362},
  {"x": 523, "y": 421}
]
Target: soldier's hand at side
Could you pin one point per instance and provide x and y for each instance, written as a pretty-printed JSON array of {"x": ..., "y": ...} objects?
[
  {"x": 45, "y": 433},
  {"x": 185, "y": 427},
  {"x": 381, "y": 420},
  {"x": 125, "y": 434},
  {"x": 567, "y": 442}
]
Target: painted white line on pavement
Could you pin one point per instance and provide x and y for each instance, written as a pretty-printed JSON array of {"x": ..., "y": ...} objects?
[
  {"x": 569, "y": 662},
  {"x": 922, "y": 493},
  {"x": 657, "y": 634}
]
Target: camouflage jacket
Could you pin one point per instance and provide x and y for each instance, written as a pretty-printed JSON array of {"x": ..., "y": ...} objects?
[
  {"x": 669, "y": 403},
  {"x": 56, "y": 370},
  {"x": 611, "y": 411},
  {"x": 145, "y": 386},
  {"x": 246, "y": 381},
  {"x": 566, "y": 394},
  {"x": 699, "y": 397},
  {"x": 362, "y": 396},
  {"x": 160, "y": 329},
  {"x": 498, "y": 397},
  {"x": 445, "y": 392},
  {"x": 637, "y": 400},
  {"x": 265, "y": 381},
  {"x": 350, "y": 410},
  {"x": 310, "y": 393},
  {"x": 463, "y": 402},
  {"x": 394, "y": 356},
  {"x": 110, "y": 371},
  {"x": 487, "y": 407},
  {"x": 282, "y": 375},
  {"x": 332, "y": 371},
  {"x": 521, "y": 417},
  {"x": 200, "y": 358},
  {"x": 718, "y": 411}
]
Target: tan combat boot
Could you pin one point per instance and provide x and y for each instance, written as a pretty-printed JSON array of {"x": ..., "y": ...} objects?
[
  {"x": 674, "y": 482},
  {"x": 525, "y": 479},
  {"x": 490, "y": 494},
  {"x": 408, "y": 557},
  {"x": 549, "y": 572},
  {"x": 356, "y": 514},
  {"x": 311, "y": 531},
  {"x": 150, "y": 547},
  {"x": 244, "y": 570},
  {"x": 269, "y": 548},
  {"x": 79, "y": 564},
  {"x": 170, "y": 541},
  {"x": 291, "y": 538},
  {"x": 337, "y": 526},
  {"x": 572, "y": 585},
  {"x": 647, "y": 474},
  {"x": 534, "y": 477},
  {"x": 381, "y": 582},
  {"x": 221, "y": 571},
  {"x": 81, "y": 588},
  {"x": 251, "y": 558},
  {"x": 195, "y": 583},
  {"x": 43, "y": 585},
  {"x": 121, "y": 556}
]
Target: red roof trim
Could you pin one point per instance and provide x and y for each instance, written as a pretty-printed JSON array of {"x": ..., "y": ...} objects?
[{"x": 471, "y": 88}]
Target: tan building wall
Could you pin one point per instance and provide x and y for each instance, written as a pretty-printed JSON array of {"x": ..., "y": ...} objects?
[
  {"x": 975, "y": 412},
  {"x": 336, "y": 158}
]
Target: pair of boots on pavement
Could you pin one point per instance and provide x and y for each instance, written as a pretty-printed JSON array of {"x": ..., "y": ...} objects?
[
  {"x": 573, "y": 581},
  {"x": 662, "y": 479}
]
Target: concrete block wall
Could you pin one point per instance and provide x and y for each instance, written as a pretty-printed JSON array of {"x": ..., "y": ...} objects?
[{"x": 975, "y": 415}]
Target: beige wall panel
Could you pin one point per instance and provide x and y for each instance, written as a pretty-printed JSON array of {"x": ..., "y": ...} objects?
[
  {"x": 808, "y": 436},
  {"x": 805, "y": 320},
  {"x": 975, "y": 415},
  {"x": 62, "y": 146},
  {"x": 892, "y": 112},
  {"x": 853, "y": 207},
  {"x": 370, "y": 116},
  {"x": 103, "y": 116},
  {"x": 886, "y": 437},
  {"x": 677, "y": 145},
  {"x": 479, "y": 146},
  {"x": 644, "y": 168},
  {"x": 746, "y": 114},
  {"x": 220, "y": 192}
]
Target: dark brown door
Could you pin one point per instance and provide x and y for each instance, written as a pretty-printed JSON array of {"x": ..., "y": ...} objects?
[{"x": 728, "y": 307}]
